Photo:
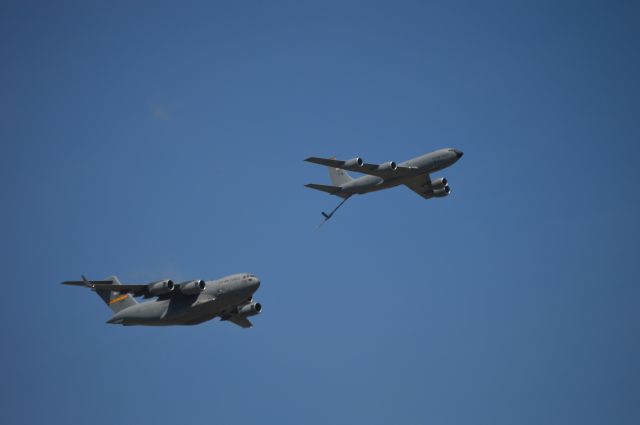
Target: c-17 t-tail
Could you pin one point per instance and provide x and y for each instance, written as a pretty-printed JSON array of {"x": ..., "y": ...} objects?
[{"x": 414, "y": 174}]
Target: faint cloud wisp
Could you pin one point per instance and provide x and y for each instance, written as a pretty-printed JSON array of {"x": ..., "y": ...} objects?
[{"x": 159, "y": 112}]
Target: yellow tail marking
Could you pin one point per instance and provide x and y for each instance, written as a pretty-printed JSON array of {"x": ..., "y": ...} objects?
[{"x": 120, "y": 298}]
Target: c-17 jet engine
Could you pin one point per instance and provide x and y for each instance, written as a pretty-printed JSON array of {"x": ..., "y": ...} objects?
[
  {"x": 162, "y": 287},
  {"x": 250, "y": 309},
  {"x": 192, "y": 287}
]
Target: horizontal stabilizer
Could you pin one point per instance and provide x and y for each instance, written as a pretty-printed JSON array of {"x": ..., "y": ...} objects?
[
  {"x": 329, "y": 162},
  {"x": 333, "y": 190},
  {"x": 111, "y": 291}
]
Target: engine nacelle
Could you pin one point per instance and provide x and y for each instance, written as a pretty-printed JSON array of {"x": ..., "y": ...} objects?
[
  {"x": 439, "y": 183},
  {"x": 162, "y": 287},
  {"x": 354, "y": 163},
  {"x": 442, "y": 192},
  {"x": 388, "y": 166},
  {"x": 192, "y": 287},
  {"x": 250, "y": 309}
]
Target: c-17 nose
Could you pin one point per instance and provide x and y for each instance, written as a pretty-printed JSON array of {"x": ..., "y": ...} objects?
[
  {"x": 254, "y": 281},
  {"x": 458, "y": 153}
]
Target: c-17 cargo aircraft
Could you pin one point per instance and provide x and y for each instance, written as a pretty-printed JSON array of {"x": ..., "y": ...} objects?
[
  {"x": 413, "y": 173},
  {"x": 187, "y": 303}
]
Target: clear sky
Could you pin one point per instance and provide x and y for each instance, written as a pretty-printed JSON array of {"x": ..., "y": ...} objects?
[{"x": 165, "y": 140}]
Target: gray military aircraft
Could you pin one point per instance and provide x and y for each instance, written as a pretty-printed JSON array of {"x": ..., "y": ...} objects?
[
  {"x": 187, "y": 303},
  {"x": 413, "y": 173}
]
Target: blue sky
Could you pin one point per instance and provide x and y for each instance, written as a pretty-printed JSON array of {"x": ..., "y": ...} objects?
[{"x": 160, "y": 139}]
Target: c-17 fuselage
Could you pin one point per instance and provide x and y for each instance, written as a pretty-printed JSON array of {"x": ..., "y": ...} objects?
[{"x": 188, "y": 303}]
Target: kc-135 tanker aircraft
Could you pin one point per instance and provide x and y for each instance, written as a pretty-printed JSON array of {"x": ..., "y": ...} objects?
[
  {"x": 413, "y": 173},
  {"x": 187, "y": 303}
]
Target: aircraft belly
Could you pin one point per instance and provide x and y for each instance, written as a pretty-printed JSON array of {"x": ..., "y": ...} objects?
[
  {"x": 194, "y": 312},
  {"x": 386, "y": 184},
  {"x": 142, "y": 314},
  {"x": 364, "y": 185},
  {"x": 181, "y": 310},
  {"x": 167, "y": 312},
  {"x": 202, "y": 309}
]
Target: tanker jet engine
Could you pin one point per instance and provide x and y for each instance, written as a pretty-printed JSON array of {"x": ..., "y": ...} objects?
[
  {"x": 187, "y": 303},
  {"x": 413, "y": 173}
]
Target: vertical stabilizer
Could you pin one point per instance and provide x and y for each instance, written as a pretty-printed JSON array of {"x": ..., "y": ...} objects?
[
  {"x": 339, "y": 176},
  {"x": 115, "y": 300}
]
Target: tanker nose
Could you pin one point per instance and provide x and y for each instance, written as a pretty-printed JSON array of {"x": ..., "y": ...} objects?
[{"x": 458, "y": 153}]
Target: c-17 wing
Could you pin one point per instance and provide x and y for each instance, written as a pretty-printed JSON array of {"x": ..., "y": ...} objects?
[
  {"x": 86, "y": 282},
  {"x": 163, "y": 287},
  {"x": 135, "y": 290},
  {"x": 388, "y": 169}
]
